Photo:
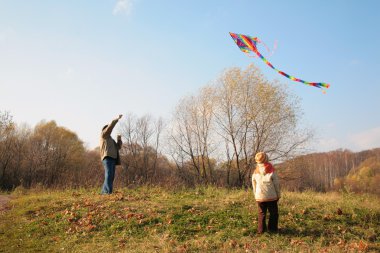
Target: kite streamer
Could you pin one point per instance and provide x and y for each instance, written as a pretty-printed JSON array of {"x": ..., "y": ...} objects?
[{"x": 249, "y": 44}]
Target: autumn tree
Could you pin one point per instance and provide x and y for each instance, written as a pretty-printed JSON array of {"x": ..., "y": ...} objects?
[
  {"x": 56, "y": 154},
  {"x": 255, "y": 115},
  {"x": 240, "y": 114},
  {"x": 92, "y": 172},
  {"x": 7, "y": 144},
  {"x": 363, "y": 178}
]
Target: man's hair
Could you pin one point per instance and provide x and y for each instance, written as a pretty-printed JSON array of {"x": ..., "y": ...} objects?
[{"x": 104, "y": 127}]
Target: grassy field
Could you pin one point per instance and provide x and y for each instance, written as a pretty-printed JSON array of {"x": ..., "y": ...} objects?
[{"x": 199, "y": 220}]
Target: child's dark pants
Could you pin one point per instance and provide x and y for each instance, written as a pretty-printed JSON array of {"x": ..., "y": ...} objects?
[{"x": 272, "y": 207}]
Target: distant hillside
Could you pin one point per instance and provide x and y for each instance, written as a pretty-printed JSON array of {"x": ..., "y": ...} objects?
[
  {"x": 318, "y": 171},
  {"x": 364, "y": 178}
]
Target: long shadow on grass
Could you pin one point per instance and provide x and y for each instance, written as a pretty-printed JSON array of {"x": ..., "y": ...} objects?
[{"x": 295, "y": 232}]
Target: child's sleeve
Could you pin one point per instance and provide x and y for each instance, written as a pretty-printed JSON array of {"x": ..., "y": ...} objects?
[
  {"x": 276, "y": 183},
  {"x": 253, "y": 184}
]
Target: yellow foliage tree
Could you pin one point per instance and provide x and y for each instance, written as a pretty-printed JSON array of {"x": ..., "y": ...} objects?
[{"x": 364, "y": 178}]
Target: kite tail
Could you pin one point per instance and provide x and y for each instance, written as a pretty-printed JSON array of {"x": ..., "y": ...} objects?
[{"x": 318, "y": 85}]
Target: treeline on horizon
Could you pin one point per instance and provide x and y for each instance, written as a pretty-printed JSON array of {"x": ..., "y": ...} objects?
[{"x": 211, "y": 140}]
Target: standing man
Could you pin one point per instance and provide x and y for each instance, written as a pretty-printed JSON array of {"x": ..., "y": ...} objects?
[{"x": 109, "y": 153}]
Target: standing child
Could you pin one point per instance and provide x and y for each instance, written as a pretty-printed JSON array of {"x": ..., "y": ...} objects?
[{"x": 266, "y": 188}]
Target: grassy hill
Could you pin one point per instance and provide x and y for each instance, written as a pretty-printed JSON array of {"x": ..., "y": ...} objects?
[{"x": 199, "y": 220}]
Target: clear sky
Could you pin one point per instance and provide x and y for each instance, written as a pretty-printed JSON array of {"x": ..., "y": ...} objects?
[{"x": 81, "y": 63}]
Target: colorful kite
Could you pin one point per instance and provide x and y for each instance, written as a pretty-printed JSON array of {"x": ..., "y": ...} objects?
[{"x": 248, "y": 44}]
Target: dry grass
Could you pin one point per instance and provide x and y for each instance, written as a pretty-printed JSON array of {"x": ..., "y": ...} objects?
[{"x": 199, "y": 220}]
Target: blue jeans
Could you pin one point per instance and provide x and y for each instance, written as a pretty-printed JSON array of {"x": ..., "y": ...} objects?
[{"x": 109, "y": 164}]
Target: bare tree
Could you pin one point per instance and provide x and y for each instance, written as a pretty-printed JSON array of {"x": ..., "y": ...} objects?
[
  {"x": 141, "y": 148},
  {"x": 191, "y": 132},
  {"x": 228, "y": 117}
]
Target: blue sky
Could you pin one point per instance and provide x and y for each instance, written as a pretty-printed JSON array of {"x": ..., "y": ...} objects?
[{"x": 81, "y": 63}]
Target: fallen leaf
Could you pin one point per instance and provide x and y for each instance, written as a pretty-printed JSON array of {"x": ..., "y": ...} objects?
[
  {"x": 363, "y": 246},
  {"x": 233, "y": 243},
  {"x": 326, "y": 217}
]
